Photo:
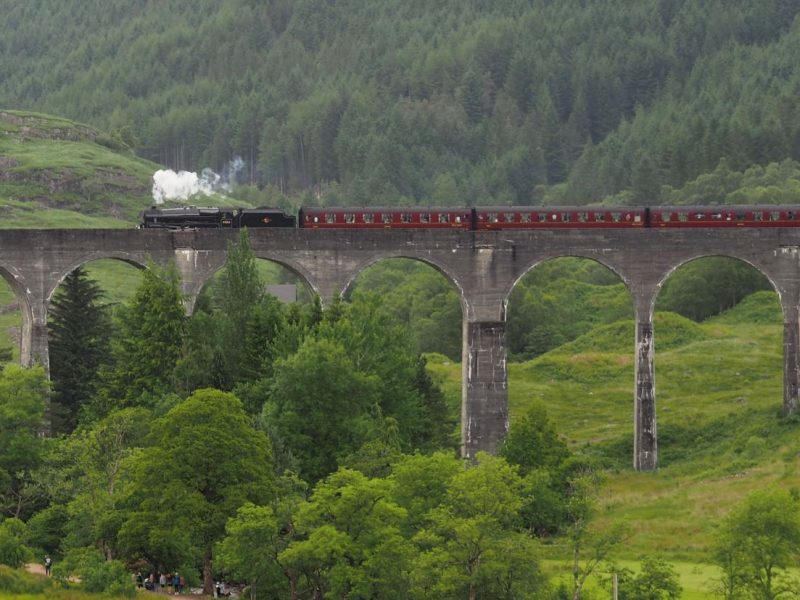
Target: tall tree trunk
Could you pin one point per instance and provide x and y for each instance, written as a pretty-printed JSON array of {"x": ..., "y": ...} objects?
[{"x": 208, "y": 574}]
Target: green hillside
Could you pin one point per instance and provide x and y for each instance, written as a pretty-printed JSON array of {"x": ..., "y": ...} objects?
[
  {"x": 719, "y": 393},
  {"x": 58, "y": 173}
]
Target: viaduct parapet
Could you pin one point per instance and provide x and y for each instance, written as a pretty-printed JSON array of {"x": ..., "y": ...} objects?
[{"x": 483, "y": 266}]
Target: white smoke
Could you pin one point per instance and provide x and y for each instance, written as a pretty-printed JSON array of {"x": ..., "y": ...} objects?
[{"x": 183, "y": 185}]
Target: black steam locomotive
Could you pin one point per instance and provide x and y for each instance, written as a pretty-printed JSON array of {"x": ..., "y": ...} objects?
[{"x": 192, "y": 217}]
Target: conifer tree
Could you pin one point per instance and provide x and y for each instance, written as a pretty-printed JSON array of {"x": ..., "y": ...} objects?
[{"x": 78, "y": 330}]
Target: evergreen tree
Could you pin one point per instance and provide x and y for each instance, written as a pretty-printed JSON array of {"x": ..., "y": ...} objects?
[
  {"x": 149, "y": 344},
  {"x": 237, "y": 295},
  {"x": 78, "y": 329}
]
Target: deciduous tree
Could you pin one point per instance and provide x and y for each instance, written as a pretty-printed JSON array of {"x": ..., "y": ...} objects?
[{"x": 205, "y": 462}]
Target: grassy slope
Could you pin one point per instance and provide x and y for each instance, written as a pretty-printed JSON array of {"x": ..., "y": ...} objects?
[
  {"x": 719, "y": 394},
  {"x": 58, "y": 173}
]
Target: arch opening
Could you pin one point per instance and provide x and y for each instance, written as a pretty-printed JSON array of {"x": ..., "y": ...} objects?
[
  {"x": 427, "y": 306},
  {"x": 80, "y": 328},
  {"x": 570, "y": 333},
  {"x": 718, "y": 331}
]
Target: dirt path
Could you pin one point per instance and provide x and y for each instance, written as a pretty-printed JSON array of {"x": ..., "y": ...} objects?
[{"x": 35, "y": 568}]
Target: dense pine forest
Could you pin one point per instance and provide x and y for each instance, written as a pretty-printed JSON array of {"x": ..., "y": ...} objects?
[{"x": 448, "y": 102}]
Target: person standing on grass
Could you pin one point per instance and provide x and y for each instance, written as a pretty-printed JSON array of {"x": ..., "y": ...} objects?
[{"x": 48, "y": 563}]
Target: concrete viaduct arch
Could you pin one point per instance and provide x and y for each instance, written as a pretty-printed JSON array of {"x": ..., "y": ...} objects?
[{"x": 484, "y": 266}]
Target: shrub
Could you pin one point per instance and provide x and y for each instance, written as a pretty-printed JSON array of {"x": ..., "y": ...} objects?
[
  {"x": 13, "y": 551},
  {"x": 96, "y": 574},
  {"x": 14, "y": 581}
]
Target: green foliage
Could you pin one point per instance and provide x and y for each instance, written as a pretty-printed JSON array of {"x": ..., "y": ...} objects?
[
  {"x": 757, "y": 544},
  {"x": 16, "y": 581},
  {"x": 13, "y": 551},
  {"x": 237, "y": 294},
  {"x": 560, "y": 300},
  {"x": 96, "y": 574},
  {"x": 469, "y": 546},
  {"x": 204, "y": 462},
  {"x": 709, "y": 286},
  {"x": 657, "y": 580},
  {"x": 380, "y": 348},
  {"x": 350, "y": 539},
  {"x": 759, "y": 307},
  {"x": 46, "y": 528},
  {"x": 78, "y": 342},
  {"x": 23, "y": 398},
  {"x": 150, "y": 337},
  {"x": 420, "y": 300},
  {"x": 321, "y": 406},
  {"x": 254, "y": 538}
]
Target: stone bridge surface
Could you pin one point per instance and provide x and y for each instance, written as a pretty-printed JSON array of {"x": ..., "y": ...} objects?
[{"x": 484, "y": 266}]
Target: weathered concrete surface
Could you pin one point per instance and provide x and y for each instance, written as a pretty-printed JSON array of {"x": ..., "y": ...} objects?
[
  {"x": 483, "y": 266},
  {"x": 484, "y": 408}
]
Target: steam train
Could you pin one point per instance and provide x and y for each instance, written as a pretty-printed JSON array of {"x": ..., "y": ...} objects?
[{"x": 478, "y": 219}]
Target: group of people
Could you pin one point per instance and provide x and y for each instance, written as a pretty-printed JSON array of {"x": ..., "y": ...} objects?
[{"x": 172, "y": 582}]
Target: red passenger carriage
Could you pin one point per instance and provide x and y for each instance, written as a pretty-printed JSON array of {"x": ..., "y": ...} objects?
[
  {"x": 725, "y": 216},
  {"x": 560, "y": 217},
  {"x": 385, "y": 218}
]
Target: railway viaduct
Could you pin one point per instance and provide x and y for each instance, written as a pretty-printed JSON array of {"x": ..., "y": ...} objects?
[{"x": 484, "y": 266}]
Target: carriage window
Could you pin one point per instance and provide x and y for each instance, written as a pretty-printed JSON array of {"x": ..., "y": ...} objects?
[
  {"x": 637, "y": 218},
  {"x": 616, "y": 217},
  {"x": 444, "y": 218},
  {"x": 386, "y": 218},
  {"x": 316, "y": 219},
  {"x": 599, "y": 217},
  {"x": 330, "y": 218},
  {"x": 683, "y": 217},
  {"x": 758, "y": 215},
  {"x": 740, "y": 216},
  {"x": 492, "y": 217},
  {"x": 716, "y": 216},
  {"x": 542, "y": 217},
  {"x": 368, "y": 217},
  {"x": 583, "y": 217},
  {"x": 424, "y": 217},
  {"x": 349, "y": 218},
  {"x": 509, "y": 217},
  {"x": 526, "y": 217},
  {"x": 566, "y": 217},
  {"x": 405, "y": 217},
  {"x": 665, "y": 217},
  {"x": 790, "y": 215},
  {"x": 774, "y": 216},
  {"x": 458, "y": 218}
]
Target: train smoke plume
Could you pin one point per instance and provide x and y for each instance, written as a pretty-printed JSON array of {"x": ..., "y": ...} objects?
[{"x": 183, "y": 185}]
